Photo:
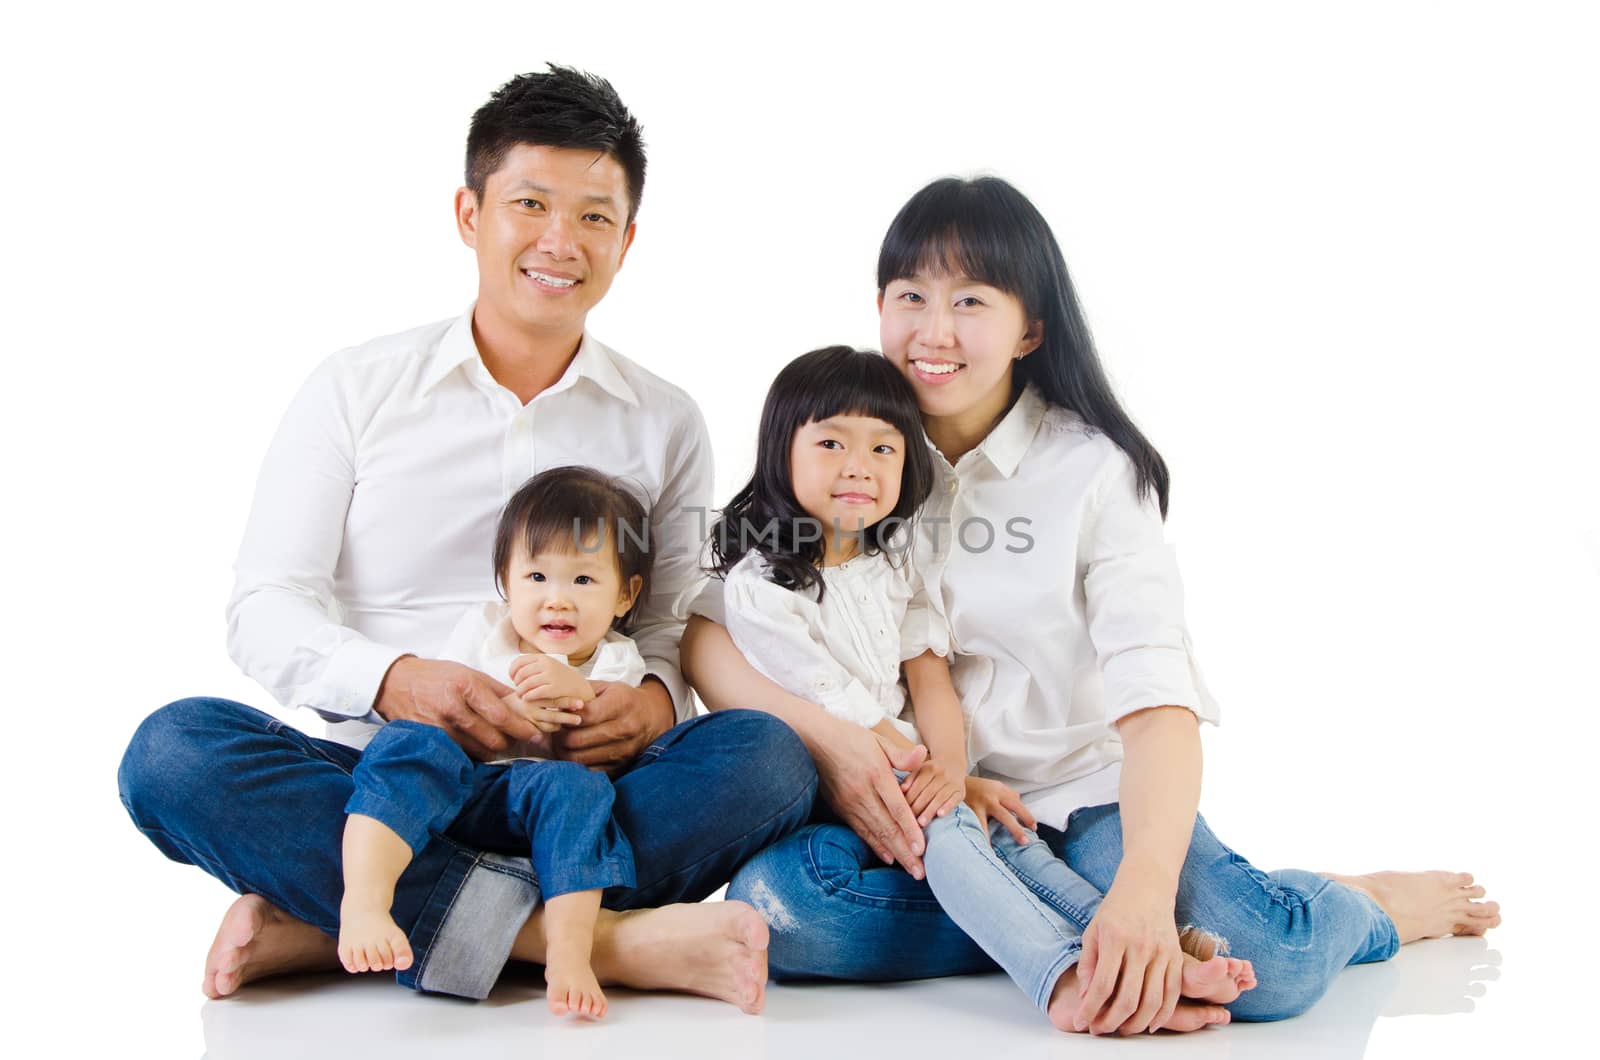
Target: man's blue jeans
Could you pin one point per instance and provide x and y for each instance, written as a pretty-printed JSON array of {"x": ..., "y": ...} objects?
[
  {"x": 837, "y": 912},
  {"x": 420, "y": 783},
  {"x": 260, "y": 806}
]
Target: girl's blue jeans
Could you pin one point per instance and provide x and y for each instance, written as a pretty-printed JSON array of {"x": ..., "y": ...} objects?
[
  {"x": 838, "y": 912},
  {"x": 415, "y": 779},
  {"x": 260, "y": 805}
]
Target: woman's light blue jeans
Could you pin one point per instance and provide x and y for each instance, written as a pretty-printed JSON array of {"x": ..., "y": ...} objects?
[{"x": 837, "y": 912}]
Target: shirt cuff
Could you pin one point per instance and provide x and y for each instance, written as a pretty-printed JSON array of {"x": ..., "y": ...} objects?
[
  {"x": 1156, "y": 677},
  {"x": 349, "y": 684}
]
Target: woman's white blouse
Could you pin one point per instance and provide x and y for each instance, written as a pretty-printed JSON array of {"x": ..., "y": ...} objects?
[
  {"x": 843, "y": 652},
  {"x": 1063, "y": 605}
]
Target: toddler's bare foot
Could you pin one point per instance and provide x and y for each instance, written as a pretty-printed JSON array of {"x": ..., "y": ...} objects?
[
  {"x": 1221, "y": 979},
  {"x": 1427, "y": 905},
  {"x": 572, "y": 988},
  {"x": 1188, "y": 1016},
  {"x": 256, "y": 939},
  {"x": 715, "y": 949},
  {"x": 370, "y": 940}
]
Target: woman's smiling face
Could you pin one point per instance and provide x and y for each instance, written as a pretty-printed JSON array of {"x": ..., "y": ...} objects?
[{"x": 955, "y": 339}]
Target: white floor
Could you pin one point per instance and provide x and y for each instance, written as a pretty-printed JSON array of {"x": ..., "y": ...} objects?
[{"x": 1389, "y": 1010}]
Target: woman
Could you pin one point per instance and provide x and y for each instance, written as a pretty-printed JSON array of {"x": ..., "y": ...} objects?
[{"x": 1043, "y": 549}]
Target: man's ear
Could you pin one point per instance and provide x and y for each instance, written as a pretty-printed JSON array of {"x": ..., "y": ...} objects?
[
  {"x": 467, "y": 216},
  {"x": 627, "y": 241},
  {"x": 630, "y": 593}
]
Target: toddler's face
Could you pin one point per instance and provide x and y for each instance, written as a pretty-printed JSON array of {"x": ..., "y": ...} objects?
[
  {"x": 563, "y": 602},
  {"x": 847, "y": 468}
]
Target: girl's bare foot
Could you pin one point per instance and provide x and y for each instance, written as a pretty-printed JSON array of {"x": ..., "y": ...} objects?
[
  {"x": 257, "y": 939},
  {"x": 573, "y": 988},
  {"x": 370, "y": 940},
  {"x": 1427, "y": 905},
  {"x": 1188, "y": 1016},
  {"x": 715, "y": 949},
  {"x": 1221, "y": 979}
]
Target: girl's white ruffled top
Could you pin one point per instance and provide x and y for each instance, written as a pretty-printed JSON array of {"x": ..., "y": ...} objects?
[{"x": 843, "y": 652}]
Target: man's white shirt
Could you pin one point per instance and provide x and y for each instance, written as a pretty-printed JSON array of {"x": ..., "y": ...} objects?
[{"x": 374, "y": 514}]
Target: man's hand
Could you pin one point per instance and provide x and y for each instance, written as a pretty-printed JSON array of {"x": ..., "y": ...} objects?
[
  {"x": 856, "y": 767},
  {"x": 617, "y": 725},
  {"x": 1132, "y": 941},
  {"x": 458, "y": 699}
]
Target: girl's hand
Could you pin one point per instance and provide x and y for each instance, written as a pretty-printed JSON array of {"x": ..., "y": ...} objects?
[
  {"x": 541, "y": 677},
  {"x": 990, "y": 798},
  {"x": 934, "y": 790},
  {"x": 1132, "y": 940}
]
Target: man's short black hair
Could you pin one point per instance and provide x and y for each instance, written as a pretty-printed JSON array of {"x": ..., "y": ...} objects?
[{"x": 562, "y": 108}]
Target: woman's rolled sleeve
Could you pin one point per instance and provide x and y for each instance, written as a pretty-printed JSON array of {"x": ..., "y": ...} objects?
[{"x": 1133, "y": 598}]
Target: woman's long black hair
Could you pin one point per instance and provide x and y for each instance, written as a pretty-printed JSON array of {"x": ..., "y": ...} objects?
[
  {"x": 765, "y": 515},
  {"x": 987, "y": 230}
]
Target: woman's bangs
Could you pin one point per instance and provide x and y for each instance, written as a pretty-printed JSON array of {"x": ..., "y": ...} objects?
[{"x": 952, "y": 228}]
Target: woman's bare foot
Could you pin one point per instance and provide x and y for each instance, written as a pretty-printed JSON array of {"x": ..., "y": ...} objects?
[
  {"x": 256, "y": 939},
  {"x": 715, "y": 949},
  {"x": 1427, "y": 905},
  {"x": 1188, "y": 1016},
  {"x": 572, "y": 988},
  {"x": 1221, "y": 979},
  {"x": 370, "y": 940}
]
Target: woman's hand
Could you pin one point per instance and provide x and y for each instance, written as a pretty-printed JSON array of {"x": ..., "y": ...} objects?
[
  {"x": 1132, "y": 940},
  {"x": 990, "y": 798},
  {"x": 934, "y": 790},
  {"x": 856, "y": 768}
]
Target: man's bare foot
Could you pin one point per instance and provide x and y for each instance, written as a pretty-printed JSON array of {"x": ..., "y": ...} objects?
[
  {"x": 573, "y": 988},
  {"x": 370, "y": 940},
  {"x": 1221, "y": 979},
  {"x": 715, "y": 949},
  {"x": 256, "y": 939},
  {"x": 1427, "y": 905},
  {"x": 1188, "y": 1016}
]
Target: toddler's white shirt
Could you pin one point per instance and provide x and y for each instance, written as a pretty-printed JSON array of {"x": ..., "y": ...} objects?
[{"x": 485, "y": 640}]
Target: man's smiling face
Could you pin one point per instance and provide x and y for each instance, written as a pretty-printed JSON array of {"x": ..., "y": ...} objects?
[{"x": 550, "y": 232}]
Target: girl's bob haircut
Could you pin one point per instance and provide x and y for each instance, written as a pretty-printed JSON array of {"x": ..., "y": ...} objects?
[
  {"x": 766, "y": 517},
  {"x": 987, "y": 230}
]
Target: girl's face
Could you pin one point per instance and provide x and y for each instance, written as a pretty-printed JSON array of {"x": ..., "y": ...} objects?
[
  {"x": 563, "y": 602},
  {"x": 847, "y": 469},
  {"x": 956, "y": 340}
]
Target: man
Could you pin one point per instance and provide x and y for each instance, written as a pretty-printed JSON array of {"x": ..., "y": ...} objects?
[{"x": 370, "y": 533}]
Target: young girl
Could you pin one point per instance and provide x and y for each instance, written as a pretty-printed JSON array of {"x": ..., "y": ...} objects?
[
  {"x": 570, "y": 559},
  {"x": 1073, "y": 663},
  {"x": 816, "y": 596}
]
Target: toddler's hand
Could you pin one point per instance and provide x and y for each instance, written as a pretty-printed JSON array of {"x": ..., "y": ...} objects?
[
  {"x": 934, "y": 790},
  {"x": 547, "y": 716},
  {"x": 539, "y": 677}
]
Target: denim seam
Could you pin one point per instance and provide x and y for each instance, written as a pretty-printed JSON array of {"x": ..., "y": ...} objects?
[
  {"x": 1045, "y": 892},
  {"x": 612, "y": 872},
  {"x": 808, "y": 792}
]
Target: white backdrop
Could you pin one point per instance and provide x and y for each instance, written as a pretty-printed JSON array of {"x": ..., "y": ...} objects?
[{"x": 1340, "y": 261}]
